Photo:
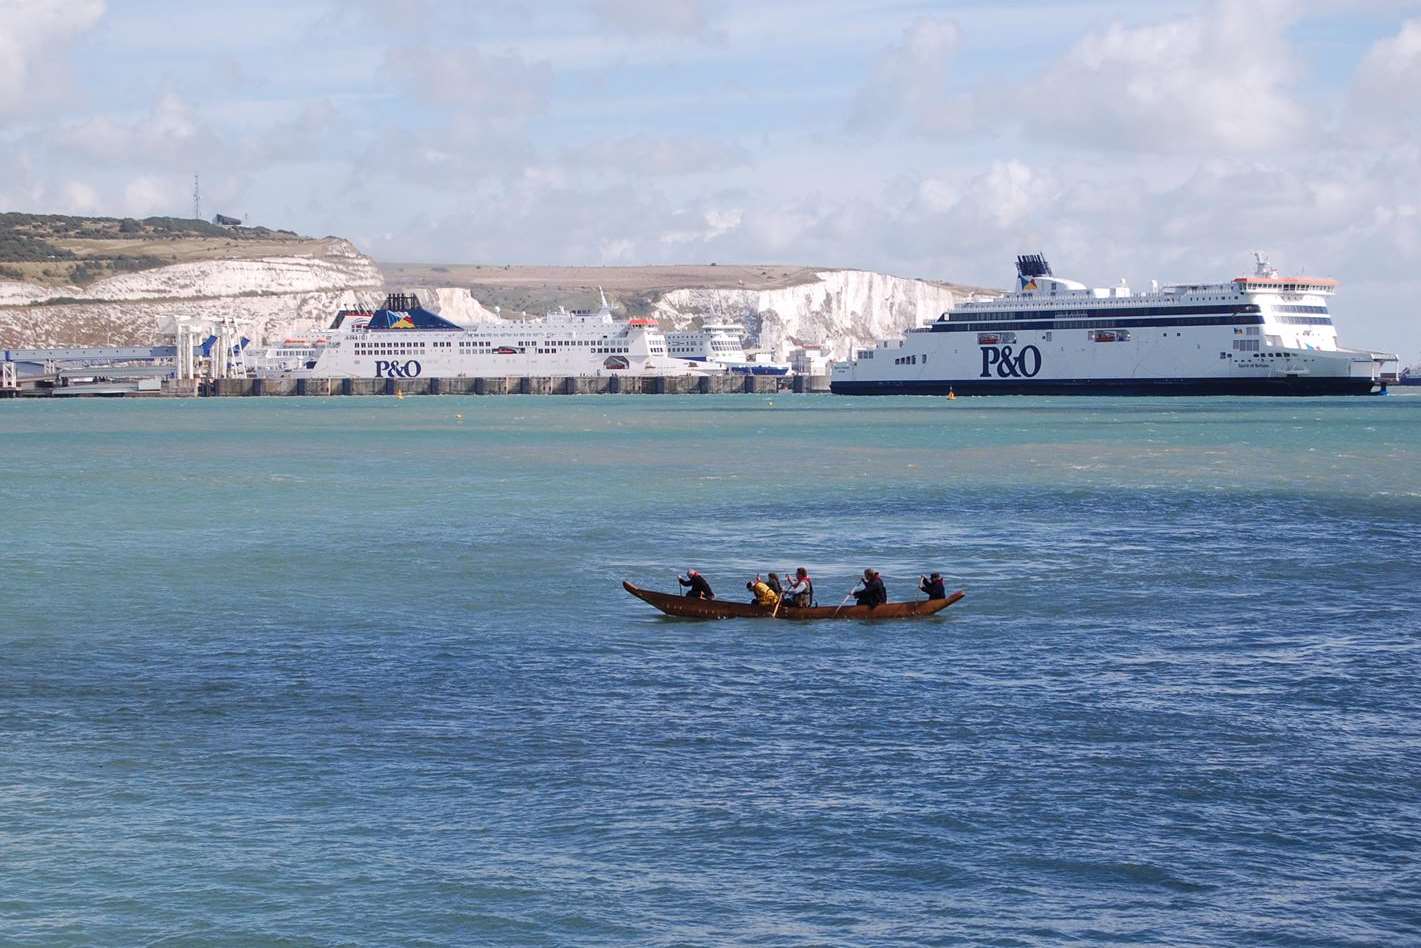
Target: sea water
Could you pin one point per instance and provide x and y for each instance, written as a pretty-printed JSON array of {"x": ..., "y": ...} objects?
[{"x": 337, "y": 671}]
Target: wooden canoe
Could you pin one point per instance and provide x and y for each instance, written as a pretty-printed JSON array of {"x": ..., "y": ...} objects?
[{"x": 682, "y": 607}]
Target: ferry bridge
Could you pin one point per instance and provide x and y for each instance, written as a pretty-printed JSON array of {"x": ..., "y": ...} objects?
[
  {"x": 204, "y": 347},
  {"x": 52, "y": 368}
]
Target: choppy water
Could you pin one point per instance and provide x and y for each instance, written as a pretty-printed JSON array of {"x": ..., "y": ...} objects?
[{"x": 337, "y": 671}]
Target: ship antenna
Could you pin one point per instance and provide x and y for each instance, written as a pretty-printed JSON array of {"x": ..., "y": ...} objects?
[{"x": 1262, "y": 267}]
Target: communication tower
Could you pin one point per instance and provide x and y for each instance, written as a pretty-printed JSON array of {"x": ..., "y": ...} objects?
[{"x": 196, "y": 200}]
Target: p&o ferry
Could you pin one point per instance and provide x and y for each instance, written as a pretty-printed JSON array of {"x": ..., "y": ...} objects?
[
  {"x": 719, "y": 344},
  {"x": 1262, "y": 334},
  {"x": 402, "y": 339}
]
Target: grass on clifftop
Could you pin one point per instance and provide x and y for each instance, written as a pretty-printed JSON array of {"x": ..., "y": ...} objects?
[{"x": 56, "y": 250}]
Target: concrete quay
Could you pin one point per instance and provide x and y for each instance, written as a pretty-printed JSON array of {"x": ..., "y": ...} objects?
[{"x": 511, "y": 385}]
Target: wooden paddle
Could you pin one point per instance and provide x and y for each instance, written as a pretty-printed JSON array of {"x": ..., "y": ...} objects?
[{"x": 846, "y": 600}]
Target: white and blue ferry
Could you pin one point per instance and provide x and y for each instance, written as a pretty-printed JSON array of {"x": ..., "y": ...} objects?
[
  {"x": 402, "y": 339},
  {"x": 719, "y": 344},
  {"x": 1262, "y": 334}
]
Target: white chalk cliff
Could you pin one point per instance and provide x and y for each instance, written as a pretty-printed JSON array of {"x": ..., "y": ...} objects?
[
  {"x": 274, "y": 298},
  {"x": 841, "y": 310},
  {"x": 270, "y": 297}
]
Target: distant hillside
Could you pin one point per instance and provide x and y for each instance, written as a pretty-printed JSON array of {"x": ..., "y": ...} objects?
[
  {"x": 635, "y": 290},
  {"x": 107, "y": 281},
  {"x": 779, "y": 306},
  {"x": 537, "y": 289},
  {"x": 57, "y": 250}
]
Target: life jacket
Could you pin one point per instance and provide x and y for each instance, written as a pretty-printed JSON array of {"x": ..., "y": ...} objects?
[{"x": 764, "y": 595}]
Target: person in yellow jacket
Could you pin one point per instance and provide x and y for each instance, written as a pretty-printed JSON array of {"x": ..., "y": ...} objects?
[{"x": 764, "y": 595}]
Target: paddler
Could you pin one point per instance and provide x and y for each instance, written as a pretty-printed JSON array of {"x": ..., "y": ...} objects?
[
  {"x": 764, "y": 595},
  {"x": 932, "y": 586},
  {"x": 871, "y": 591},
  {"x": 699, "y": 588},
  {"x": 800, "y": 593}
]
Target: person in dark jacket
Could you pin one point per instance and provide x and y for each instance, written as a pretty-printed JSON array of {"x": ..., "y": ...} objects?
[
  {"x": 871, "y": 591},
  {"x": 699, "y": 588},
  {"x": 774, "y": 583},
  {"x": 932, "y": 586}
]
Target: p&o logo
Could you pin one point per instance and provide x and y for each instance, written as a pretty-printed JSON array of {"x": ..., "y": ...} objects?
[
  {"x": 1009, "y": 364},
  {"x": 396, "y": 369}
]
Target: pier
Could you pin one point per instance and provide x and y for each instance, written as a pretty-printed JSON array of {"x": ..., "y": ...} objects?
[
  {"x": 193, "y": 368},
  {"x": 515, "y": 385},
  {"x": 58, "y": 386}
]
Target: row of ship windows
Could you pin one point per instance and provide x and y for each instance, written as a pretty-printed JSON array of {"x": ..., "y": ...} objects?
[
  {"x": 1181, "y": 310},
  {"x": 611, "y": 349},
  {"x": 1107, "y": 335}
]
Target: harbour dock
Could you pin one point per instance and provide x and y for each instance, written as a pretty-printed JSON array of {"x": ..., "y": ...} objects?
[{"x": 59, "y": 387}]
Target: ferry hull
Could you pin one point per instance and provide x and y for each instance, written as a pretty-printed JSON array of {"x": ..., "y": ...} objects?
[{"x": 1301, "y": 386}]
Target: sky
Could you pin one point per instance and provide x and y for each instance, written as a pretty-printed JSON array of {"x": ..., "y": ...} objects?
[{"x": 1148, "y": 140}]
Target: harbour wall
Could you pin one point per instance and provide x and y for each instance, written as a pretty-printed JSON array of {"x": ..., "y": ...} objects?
[{"x": 509, "y": 385}]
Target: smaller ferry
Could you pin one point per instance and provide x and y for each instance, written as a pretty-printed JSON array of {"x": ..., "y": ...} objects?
[
  {"x": 403, "y": 340},
  {"x": 719, "y": 343},
  {"x": 292, "y": 355}
]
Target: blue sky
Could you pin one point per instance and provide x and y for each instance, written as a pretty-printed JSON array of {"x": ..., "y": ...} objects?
[{"x": 1149, "y": 140}]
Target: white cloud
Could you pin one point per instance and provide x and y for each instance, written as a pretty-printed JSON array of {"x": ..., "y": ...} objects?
[
  {"x": 1217, "y": 81},
  {"x": 80, "y": 198},
  {"x": 32, "y": 33},
  {"x": 170, "y": 135},
  {"x": 475, "y": 82},
  {"x": 657, "y": 155},
  {"x": 689, "y": 18},
  {"x": 908, "y": 82},
  {"x": 146, "y": 196},
  {"x": 1382, "y": 100}
]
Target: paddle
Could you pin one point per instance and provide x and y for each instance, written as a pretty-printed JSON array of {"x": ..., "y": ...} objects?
[{"x": 845, "y": 602}]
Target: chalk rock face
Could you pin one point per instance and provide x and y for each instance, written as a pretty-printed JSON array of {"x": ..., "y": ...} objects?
[
  {"x": 270, "y": 298},
  {"x": 843, "y": 309},
  {"x": 456, "y": 304}
]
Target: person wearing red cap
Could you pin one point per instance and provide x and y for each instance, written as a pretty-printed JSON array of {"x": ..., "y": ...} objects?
[{"x": 699, "y": 588}]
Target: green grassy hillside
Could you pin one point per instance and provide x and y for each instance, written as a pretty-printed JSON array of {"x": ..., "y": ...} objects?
[{"x": 55, "y": 250}]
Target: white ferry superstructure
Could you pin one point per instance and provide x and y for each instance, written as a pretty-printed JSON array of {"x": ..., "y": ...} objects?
[
  {"x": 404, "y": 340},
  {"x": 719, "y": 343},
  {"x": 1262, "y": 334}
]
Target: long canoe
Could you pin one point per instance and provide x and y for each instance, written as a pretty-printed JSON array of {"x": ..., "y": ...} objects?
[{"x": 685, "y": 608}]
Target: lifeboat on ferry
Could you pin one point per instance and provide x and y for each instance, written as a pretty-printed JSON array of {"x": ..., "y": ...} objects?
[
  {"x": 505, "y": 351},
  {"x": 989, "y": 339},
  {"x": 643, "y": 321}
]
